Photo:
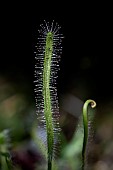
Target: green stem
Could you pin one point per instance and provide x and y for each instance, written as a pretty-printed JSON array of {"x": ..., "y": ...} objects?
[
  {"x": 49, "y": 164},
  {"x": 46, "y": 96},
  {"x": 85, "y": 124}
]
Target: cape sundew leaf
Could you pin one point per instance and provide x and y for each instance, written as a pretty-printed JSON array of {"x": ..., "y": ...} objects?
[
  {"x": 46, "y": 68},
  {"x": 87, "y": 122}
]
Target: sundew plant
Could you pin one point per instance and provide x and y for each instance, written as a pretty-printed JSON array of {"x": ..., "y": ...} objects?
[
  {"x": 48, "y": 53},
  {"x": 47, "y": 57}
]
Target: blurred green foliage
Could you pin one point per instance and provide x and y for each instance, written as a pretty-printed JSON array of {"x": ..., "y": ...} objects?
[{"x": 20, "y": 147}]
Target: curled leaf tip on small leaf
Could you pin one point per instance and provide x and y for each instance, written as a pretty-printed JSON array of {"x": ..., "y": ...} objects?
[{"x": 93, "y": 104}]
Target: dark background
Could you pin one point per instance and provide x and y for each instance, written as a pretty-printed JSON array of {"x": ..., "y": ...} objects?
[{"x": 87, "y": 45}]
